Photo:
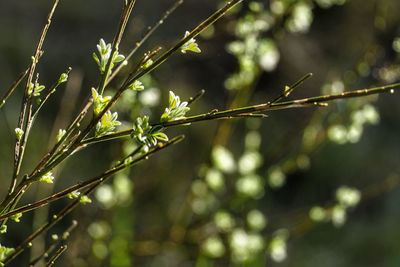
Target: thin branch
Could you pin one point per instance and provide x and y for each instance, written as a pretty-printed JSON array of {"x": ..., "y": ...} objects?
[
  {"x": 145, "y": 38},
  {"x": 26, "y": 106},
  {"x": 299, "y": 103},
  {"x": 146, "y": 58},
  {"x": 76, "y": 123},
  {"x": 196, "y": 97},
  {"x": 115, "y": 45},
  {"x": 12, "y": 88},
  {"x": 49, "y": 93},
  {"x": 54, "y": 220},
  {"x": 95, "y": 180},
  {"x": 56, "y": 243},
  {"x": 58, "y": 253},
  {"x": 289, "y": 89},
  {"x": 213, "y": 18},
  {"x": 200, "y": 28},
  {"x": 250, "y": 110},
  {"x": 60, "y": 144}
]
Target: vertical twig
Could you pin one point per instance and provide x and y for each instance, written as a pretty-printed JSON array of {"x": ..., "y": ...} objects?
[
  {"x": 117, "y": 40},
  {"x": 24, "y": 121},
  {"x": 146, "y": 37}
]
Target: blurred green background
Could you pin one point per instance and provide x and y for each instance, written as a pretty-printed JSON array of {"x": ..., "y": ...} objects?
[{"x": 146, "y": 228}]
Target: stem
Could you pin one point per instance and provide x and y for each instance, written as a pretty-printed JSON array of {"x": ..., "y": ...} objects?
[
  {"x": 115, "y": 45},
  {"x": 56, "y": 243},
  {"x": 201, "y": 27},
  {"x": 145, "y": 38},
  {"x": 58, "y": 253},
  {"x": 60, "y": 215},
  {"x": 287, "y": 91},
  {"x": 12, "y": 88},
  {"x": 88, "y": 105},
  {"x": 213, "y": 18},
  {"x": 70, "y": 129},
  {"x": 26, "y": 106},
  {"x": 50, "y": 92},
  {"x": 249, "y": 110},
  {"x": 54, "y": 220},
  {"x": 93, "y": 181}
]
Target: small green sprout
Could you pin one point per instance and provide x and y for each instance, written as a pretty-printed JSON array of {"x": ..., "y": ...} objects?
[
  {"x": 85, "y": 200},
  {"x": 35, "y": 89},
  {"x": 3, "y": 229},
  {"x": 147, "y": 135},
  {"x": 99, "y": 102},
  {"x": 107, "y": 124},
  {"x": 47, "y": 178},
  {"x": 176, "y": 109},
  {"x": 4, "y": 252},
  {"x": 136, "y": 86},
  {"x": 63, "y": 78},
  {"x": 147, "y": 64},
  {"x": 19, "y": 133},
  {"x": 16, "y": 217},
  {"x": 104, "y": 53},
  {"x": 73, "y": 195},
  {"x": 190, "y": 45},
  {"x": 60, "y": 134}
]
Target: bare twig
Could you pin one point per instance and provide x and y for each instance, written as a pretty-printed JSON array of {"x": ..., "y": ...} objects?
[
  {"x": 56, "y": 255},
  {"x": 145, "y": 38},
  {"x": 60, "y": 241},
  {"x": 12, "y": 88}
]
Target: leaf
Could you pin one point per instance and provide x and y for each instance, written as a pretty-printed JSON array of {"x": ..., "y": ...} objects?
[
  {"x": 85, "y": 200},
  {"x": 161, "y": 136},
  {"x": 190, "y": 45},
  {"x": 136, "y": 86},
  {"x": 19, "y": 133},
  {"x": 16, "y": 217},
  {"x": 47, "y": 178}
]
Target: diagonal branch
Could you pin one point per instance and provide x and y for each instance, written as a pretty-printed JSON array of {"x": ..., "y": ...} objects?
[
  {"x": 146, "y": 37},
  {"x": 250, "y": 110},
  {"x": 97, "y": 180}
]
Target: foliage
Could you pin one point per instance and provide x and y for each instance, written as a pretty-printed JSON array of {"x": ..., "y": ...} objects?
[{"x": 221, "y": 214}]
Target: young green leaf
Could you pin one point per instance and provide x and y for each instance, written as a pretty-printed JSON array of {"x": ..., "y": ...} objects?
[
  {"x": 99, "y": 102},
  {"x": 47, "y": 178},
  {"x": 107, "y": 124},
  {"x": 176, "y": 110},
  {"x": 147, "y": 135},
  {"x": 190, "y": 45},
  {"x": 19, "y": 133},
  {"x": 136, "y": 86}
]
